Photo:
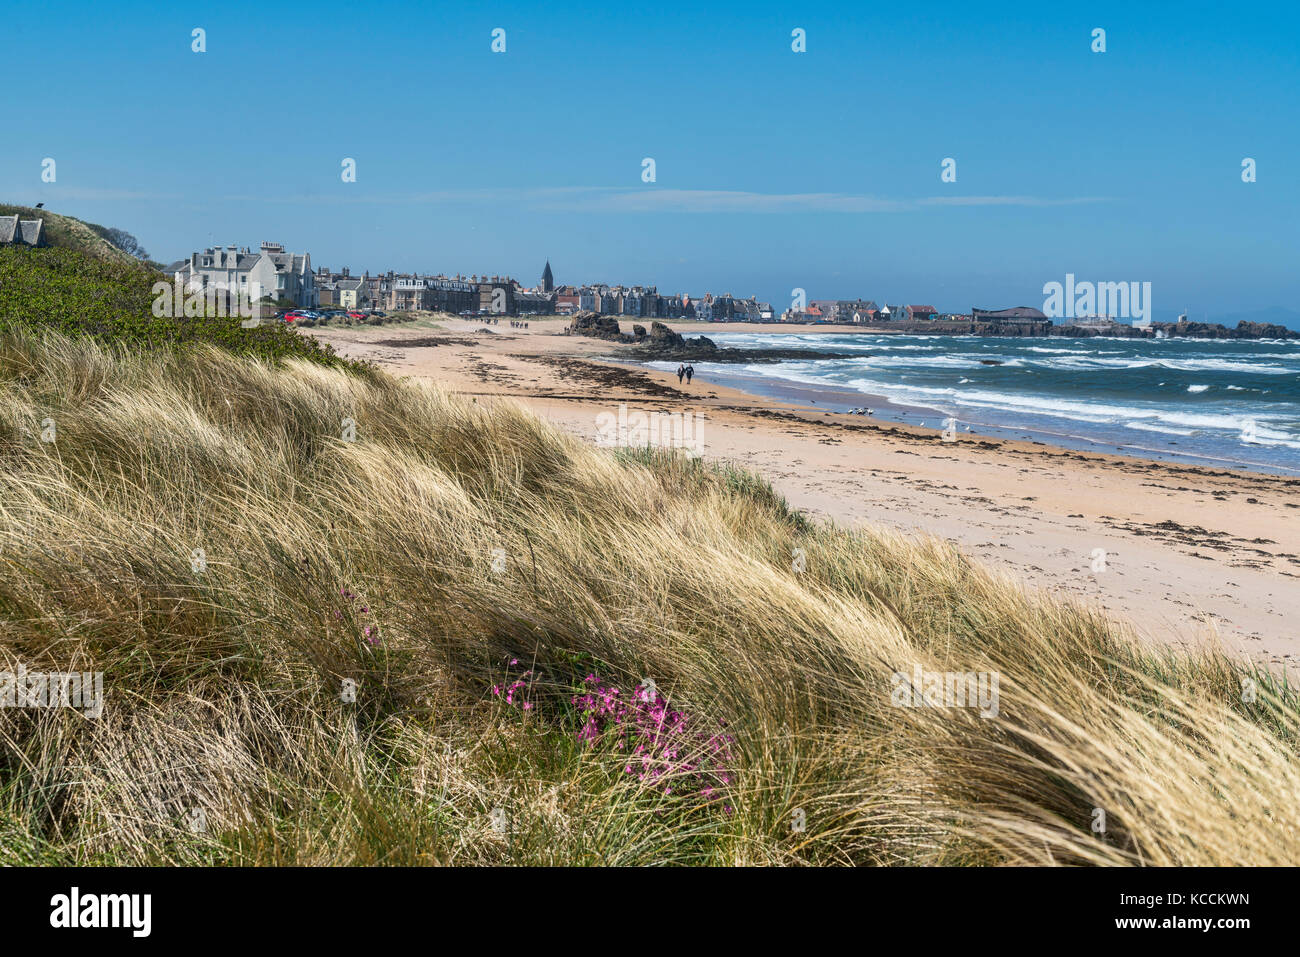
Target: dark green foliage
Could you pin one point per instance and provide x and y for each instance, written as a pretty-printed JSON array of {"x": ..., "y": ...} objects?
[{"x": 66, "y": 291}]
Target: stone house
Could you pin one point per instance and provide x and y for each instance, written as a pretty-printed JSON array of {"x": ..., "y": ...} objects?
[{"x": 20, "y": 232}]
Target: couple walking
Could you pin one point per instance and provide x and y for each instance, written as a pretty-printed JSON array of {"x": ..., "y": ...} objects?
[{"x": 686, "y": 371}]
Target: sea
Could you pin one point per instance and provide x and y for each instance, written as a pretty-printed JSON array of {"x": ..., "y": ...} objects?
[{"x": 1227, "y": 403}]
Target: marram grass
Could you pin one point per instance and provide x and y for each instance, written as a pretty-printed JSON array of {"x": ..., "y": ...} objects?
[{"x": 474, "y": 535}]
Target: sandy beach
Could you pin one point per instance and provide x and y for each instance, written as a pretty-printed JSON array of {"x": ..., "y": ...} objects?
[{"x": 1193, "y": 554}]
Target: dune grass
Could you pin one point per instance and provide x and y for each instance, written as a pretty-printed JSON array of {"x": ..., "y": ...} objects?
[{"x": 318, "y": 688}]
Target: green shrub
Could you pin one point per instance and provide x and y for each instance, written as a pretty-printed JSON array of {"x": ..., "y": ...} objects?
[{"x": 69, "y": 292}]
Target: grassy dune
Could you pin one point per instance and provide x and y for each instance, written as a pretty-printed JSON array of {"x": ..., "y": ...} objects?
[
  {"x": 67, "y": 232},
  {"x": 226, "y": 686}
]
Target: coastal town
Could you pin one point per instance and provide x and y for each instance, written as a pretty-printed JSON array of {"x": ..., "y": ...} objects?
[
  {"x": 300, "y": 291},
  {"x": 231, "y": 269},
  {"x": 271, "y": 273}
]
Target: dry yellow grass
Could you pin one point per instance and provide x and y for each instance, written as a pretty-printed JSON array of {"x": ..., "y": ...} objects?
[{"x": 223, "y": 685}]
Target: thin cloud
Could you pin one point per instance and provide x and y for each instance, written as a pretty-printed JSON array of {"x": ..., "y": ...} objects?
[
  {"x": 735, "y": 201},
  {"x": 1008, "y": 201},
  {"x": 654, "y": 200},
  {"x": 651, "y": 199}
]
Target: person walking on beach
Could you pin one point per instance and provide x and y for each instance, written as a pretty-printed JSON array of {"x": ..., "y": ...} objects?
[
  {"x": 681, "y": 371},
  {"x": 690, "y": 371}
]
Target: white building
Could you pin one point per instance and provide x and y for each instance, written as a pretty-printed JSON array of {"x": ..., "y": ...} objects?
[{"x": 270, "y": 272}]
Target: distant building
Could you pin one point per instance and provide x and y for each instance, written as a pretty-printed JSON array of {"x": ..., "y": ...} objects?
[
  {"x": 497, "y": 296},
  {"x": 842, "y": 310},
  {"x": 728, "y": 308},
  {"x": 379, "y": 288},
  {"x": 548, "y": 280},
  {"x": 865, "y": 312},
  {"x": 1092, "y": 322},
  {"x": 827, "y": 309},
  {"x": 672, "y": 306},
  {"x": 917, "y": 313},
  {"x": 568, "y": 300},
  {"x": 633, "y": 302},
  {"x": 407, "y": 294},
  {"x": 232, "y": 271},
  {"x": 431, "y": 294},
  {"x": 353, "y": 293},
  {"x": 21, "y": 232}
]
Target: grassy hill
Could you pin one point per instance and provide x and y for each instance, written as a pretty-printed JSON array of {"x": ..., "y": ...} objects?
[
  {"x": 79, "y": 284},
  {"x": 462, "y": 636},
  {"x": 67, "y": 232}
]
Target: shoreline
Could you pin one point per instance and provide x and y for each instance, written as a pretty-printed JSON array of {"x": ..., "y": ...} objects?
[
  {"x": 1194, "y": 554},
  {"x": 838, "y": 399}
]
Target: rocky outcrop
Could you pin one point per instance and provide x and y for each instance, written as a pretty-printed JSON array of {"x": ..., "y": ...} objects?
[
  {"x": 662, "y": 335},
  {"x": 663, "y": 344},
  {"x": 1264, "y": 330},
  {"x": 1182, "y": 330},
  {"x": 1111, "y": 332},
  {"x": 595, "y": 326}
]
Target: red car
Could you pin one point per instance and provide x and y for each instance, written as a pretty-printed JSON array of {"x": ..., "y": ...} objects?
[{"x": 356, "y": 315}]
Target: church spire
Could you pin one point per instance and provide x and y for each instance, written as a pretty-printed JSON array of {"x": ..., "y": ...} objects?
[{"x": 548, "y": 280}]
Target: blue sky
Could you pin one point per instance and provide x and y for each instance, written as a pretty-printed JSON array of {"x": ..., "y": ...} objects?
[{"x": 775, "y": 169}]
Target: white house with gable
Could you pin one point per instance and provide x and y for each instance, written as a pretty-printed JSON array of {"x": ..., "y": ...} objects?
[{"x": 269, "y": 272}]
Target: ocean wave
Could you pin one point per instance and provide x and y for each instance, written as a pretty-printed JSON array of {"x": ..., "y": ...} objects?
[
  {"x": 1178, "y": 365},
  {"x": 1205, "y": 399},
  {"x": 1075, "y": 410},
  {"x": 1163, "y": 429}
]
